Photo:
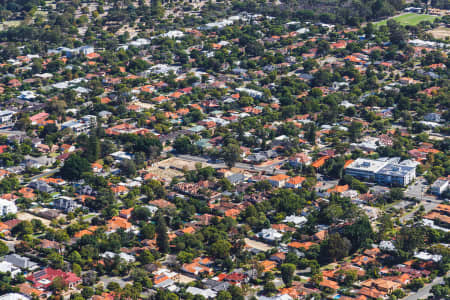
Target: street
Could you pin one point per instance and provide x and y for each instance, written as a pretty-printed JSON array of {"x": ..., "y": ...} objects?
[
  {"x": 424, "y": 292},
  {"x": 418, "y": 190},
  {"x": 48, "y": 173}
]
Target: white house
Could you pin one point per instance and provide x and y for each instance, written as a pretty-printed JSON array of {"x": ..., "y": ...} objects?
[
  {"x": 123, "y": 256},
  {"x": 278, "y": 180},
  {"x": 6, "y": 117},
  {"x": 7, "y": 207},
  {"x": 207, "y": 293},
  {"x": 9, "y": 267},
  {"x": 297, "y": 220},
  {"x": 270, "y": 235}
]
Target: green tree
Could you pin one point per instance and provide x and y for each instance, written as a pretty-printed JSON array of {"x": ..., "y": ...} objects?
[
  {"x": 287, "y": 273},
  {"x": 397, "y": 33},
  {"x": 74, "y": 167},
  {"x": 76, "y": 269},
  {"x": 416, "y": 284},
  {"x": 87, "y": 292},
  {"x": 354, "y": 131},
  {"x": 148, "y": 231},
  {"x": 335, "y": 247},
  {"x": 224, "y": 295},
  {"x": 157, "y": 9},
  {"x": 269, "y": 288},
  {"x": 185, "y": 257},
  {"x": 310, "y": 133},
  {"x": 146, "y": 257},
  {"x": 396, "y": 194},
  {"x": 4, "y": 249},
  {"x": 220, "y": 249},
  {"x": 58, "y": 285},
  {"x": 359, "y": 232},
  {"x": 93, "y": 149},
  {"x": 409, "y": 239},
  {"x": 22, "y": 229},
  {"x": 231, "y": 154},
  {"x": 162, "y": 238},
  {"x": 128, "y": 167},
  {"x": 183, "y": 145},
  {"x": 440, "y": 291}
]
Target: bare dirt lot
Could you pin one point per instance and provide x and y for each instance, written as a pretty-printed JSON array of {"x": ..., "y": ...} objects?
[
  {"x": 257, "y": 245},
  {"x": 172, "y": 167},
  {"x": 183, "y": 279},
  {"x": 24, "y": 216},
  {"x": 440, "y": 32}
]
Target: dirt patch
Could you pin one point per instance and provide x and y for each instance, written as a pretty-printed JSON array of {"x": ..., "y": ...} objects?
[
  {"x": 172, "y": 167},
  {"x": 24, "y": 216},
  {"x": 440, "y": 32},
  {"x": 257, "y": 245},
  {"x": 180, "y": 278}
]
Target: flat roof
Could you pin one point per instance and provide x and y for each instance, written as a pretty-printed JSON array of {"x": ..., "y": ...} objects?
[
  {"x": 396, "y": 170},
  {"x": 368, "y": 165}
]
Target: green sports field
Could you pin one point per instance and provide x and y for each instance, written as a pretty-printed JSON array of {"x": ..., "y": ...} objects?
[{"x": 409, "y": 19}]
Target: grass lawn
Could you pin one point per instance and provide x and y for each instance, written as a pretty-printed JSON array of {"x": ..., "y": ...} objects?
[{"x": 409, "y": 19}]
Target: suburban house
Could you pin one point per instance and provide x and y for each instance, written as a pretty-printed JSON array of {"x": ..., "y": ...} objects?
[
  {"x": 21, "y": 262},
  {"x": 67, "y": 204},
  {"x": 295, "y": 182},
  {"x": 279, "y": 180},
  {"x": 44, "y": 278}
]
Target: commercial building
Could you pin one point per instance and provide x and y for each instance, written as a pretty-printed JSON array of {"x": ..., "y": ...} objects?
[
  {"x": 382, "y": 172},
  {"x": 363, "y": 168},
  {"x": 395, "y": 174}
]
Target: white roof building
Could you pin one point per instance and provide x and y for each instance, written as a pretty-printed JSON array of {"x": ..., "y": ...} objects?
[
  {"x": 126, "y": 257},
  {"x": 387, "y": 246},
  {"x": 173, "y": 34},
  {"x": 427, "y": 256},
  {"x": 278, "y": 297},
  {"x": 297, "y": 220},
  {"x": 9, "y": 267},
  {"x": 14, "y": 296},
  {"x": 7, "y": 207},
  {"x": 270, "y": 234},
  {"x": 208, "y": 293}
]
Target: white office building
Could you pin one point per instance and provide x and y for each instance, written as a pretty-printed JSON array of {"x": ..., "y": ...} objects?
[
  {"x": 364, "y": 168},
  {"x": 387, "y": 172},
  {"x": 395, "y": 174}
]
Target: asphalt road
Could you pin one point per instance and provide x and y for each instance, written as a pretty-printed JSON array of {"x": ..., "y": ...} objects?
[
  {"x": 418, "y": 190},
  {"x": 424, "y": 292},
  {"x": 248, "y": 167},
  {"x": 12, "y": 132},
  {"x": 48, "y": 173}
]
